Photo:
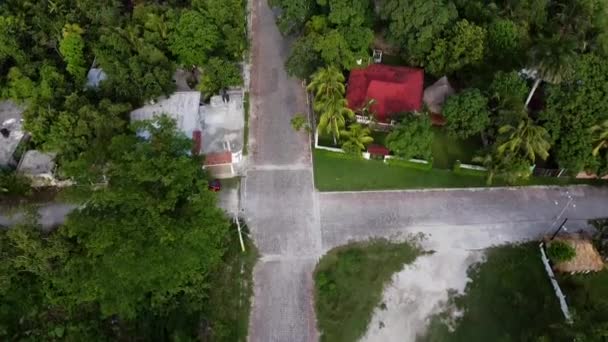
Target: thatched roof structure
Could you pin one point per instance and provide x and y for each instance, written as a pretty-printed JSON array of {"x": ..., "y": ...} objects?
[
  {"x": 436, "y": 94},
  {"x": 587, "y": 258}
]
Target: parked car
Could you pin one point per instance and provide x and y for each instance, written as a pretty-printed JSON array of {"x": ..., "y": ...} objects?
[{"x": 215, "y": 185}]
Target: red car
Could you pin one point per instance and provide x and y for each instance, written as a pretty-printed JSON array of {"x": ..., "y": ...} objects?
[{"x": 215, "y": 185}]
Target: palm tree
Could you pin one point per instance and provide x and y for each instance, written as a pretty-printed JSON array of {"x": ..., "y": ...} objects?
[
  {"x": 367, "y": 111},
  {"x": 600, "y": 137},
  {"x": 552, "y": 59},
  {"x": 526, "y": 138},
  {"x": 333, "y": 115},
  {"x": 327, "y": 82},
  {"x": 357, "y": 138},
  {"x": 489, "y": 162}
]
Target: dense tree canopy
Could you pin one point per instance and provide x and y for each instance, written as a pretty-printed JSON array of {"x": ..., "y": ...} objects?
[
  {"x": 466, "y": 113},
  {"x": 412, "y": 138},
  {"x": 145, "y": 244}
]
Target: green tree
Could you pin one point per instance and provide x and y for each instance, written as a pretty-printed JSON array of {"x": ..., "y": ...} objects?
[
  {"x": 150, "y": 239},
  {"x": 294, "y": 14},
  {"x": 552, "y": 59},
  {"x": 327, "y": 82},
  {"x": 412, "y": 137},
  {"x": 416, "y": 25},
  {"x": 194, "y": 39},
  {"x": 137, "y": 71},
  {"x": 600, "y": 134},
  {"x": 230, "y": 17},
  {"x": 508, "y": 90},
  {"x": 71, "y": 47},
  {"x": 511, "y": 168},
  {"x": 10, "y": 30},
  {"x": 333, "y": 113},
  {"x": 218, "y": 74},
  {"x": 355, "y": 139},
  {"x": 526, "y": 139},
  {"x": 466, "y": 113},
  {"x": 303, "y": 59},
  {"x": 572, "y": 108},
  {"x": 349, "y": 12},
  {"x": 464, "y": 46}
]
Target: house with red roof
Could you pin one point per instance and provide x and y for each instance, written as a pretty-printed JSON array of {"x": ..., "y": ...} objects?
[{"x": 394, "y": 89}]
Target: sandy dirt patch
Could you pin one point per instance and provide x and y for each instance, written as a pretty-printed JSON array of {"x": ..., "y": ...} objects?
[{"x": 418, "y": 292}]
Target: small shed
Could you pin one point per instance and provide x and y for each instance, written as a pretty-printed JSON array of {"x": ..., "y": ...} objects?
[
  {"x": 377, "y": 150},
  {"x": 587, "y": 258},
  {"x": 39, "y": 167},
  {"x": 435, "y": 96}
]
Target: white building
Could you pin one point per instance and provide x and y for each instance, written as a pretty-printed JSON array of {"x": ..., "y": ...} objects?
[
  {"x": 216, "y": 129},
  {"x": 11, "y": 133}
]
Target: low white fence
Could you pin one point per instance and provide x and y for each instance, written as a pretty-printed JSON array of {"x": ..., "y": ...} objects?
[
  {"x": 473, "y": 167},
  {"x": 558, "y": 291}
]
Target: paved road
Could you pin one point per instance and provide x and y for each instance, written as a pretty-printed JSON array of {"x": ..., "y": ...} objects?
[
  {"x": 460, "y": 218},
  {"x": 278, "y": 194}
]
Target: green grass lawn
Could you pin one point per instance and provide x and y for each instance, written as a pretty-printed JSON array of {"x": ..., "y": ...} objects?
[
  {"x": 587, "y": 298},
  {"x": 349, "y": 281},
  {"x": 447, "y": 150},
  {"x": 338, "y": 172},
  {"x": 509, "y": 298}
]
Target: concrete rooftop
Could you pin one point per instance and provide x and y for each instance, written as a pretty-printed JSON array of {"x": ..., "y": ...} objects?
[
  {"x": 36, "y": 163},
  {"x": 223, "y": 123},
  {"x": 10, "y": 118},
  {"x": 182, "y": 106}
]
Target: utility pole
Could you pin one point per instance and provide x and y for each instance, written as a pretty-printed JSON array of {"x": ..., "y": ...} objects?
[
  {"x": 559, "y": 228},
  {"x": 238, "y": 225}
]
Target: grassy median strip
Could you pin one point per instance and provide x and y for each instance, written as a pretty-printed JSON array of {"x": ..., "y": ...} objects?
[
  {"x": 349, "y": 282},
  {"x": 339, "y": 172},
  {"x": 509, "y": 298}
]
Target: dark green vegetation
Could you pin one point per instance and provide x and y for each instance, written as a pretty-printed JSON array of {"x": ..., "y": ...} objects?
[
  {"x": 509, "y": 298},
  {"x": 560, "y": 251},
  {"x": 481, "y": 46},
  {"x": 587, "y": 297},
  {"x": 447, "y": 149},
  {"x": 340, "y": 172},
  {"x": 149, "y": 256},
  {"x": 349, "y": 281},
  {"x": 48, "y": 47}
]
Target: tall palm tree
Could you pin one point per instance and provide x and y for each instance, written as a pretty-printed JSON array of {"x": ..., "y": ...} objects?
[
  {"x": 333, "y": 115},
  {"x": 600, "y": 137},
  {"x": 356, "y": 139},
  {"x": 327, "y": 82},
  {"x": 552, "y": 59},
  {"x": 526, "y": 138}
]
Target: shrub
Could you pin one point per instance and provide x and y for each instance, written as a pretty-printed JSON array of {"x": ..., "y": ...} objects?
[
  {"x": 559, "y": 251},
  {"x": 12, "y": 184}
]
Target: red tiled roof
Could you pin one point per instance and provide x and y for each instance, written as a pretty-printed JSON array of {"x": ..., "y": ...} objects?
[
  {"x": 218, "y": 158},
  {"x": 378, "y": 150},
  {"x": 395, "y": 89}
]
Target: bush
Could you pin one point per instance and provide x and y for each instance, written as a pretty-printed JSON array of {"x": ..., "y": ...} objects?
[
  {"x": 12, "y": 184},
  {"x": 559, "y": 251}
]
